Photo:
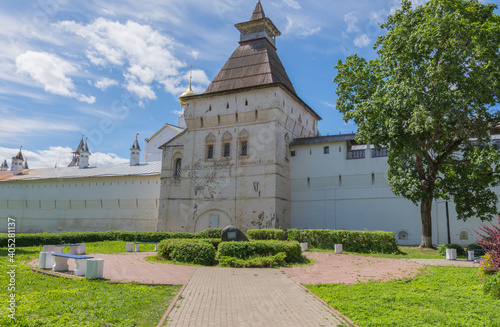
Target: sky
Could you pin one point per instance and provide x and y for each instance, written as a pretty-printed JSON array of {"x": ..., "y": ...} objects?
[{"x": 110, "y": 69}]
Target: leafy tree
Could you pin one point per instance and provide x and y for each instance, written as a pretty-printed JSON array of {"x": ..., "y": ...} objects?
[{"x": 432, "y": 95}]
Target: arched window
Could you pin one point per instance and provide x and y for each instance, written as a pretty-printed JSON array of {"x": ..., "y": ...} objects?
[
  {"x": 403, "y": 235},
  {"x": 287, "y": 146},
  {"x": 177, "y": 170}
]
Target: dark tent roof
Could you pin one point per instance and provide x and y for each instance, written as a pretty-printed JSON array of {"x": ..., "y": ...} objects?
[{"x": 253, "y": 63}]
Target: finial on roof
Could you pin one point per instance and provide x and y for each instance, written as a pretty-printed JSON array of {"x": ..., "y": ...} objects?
[{"x": 189, "y": 91}]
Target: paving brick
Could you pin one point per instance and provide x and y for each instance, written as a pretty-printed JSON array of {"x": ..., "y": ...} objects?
[{"x": 249, "y": 297}]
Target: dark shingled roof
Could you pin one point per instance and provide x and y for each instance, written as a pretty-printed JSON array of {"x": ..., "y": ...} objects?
[
  {"x": 253, "y": 63},
  {"x": 258, "y": 12},
  {"x": 323, "y": 139}
]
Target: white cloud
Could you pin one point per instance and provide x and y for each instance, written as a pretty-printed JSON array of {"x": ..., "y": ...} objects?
[
  {"x": 179, "y": 85},
  {"x": 144, "y": 54},
  {"x": 194, "y": 54},
  {"x": 362, "y": 41},
  {"x": 51, "y": 72},
  {"x": 143, "y": 91},
  {"x": 300, "y": 28},
  {"x": 104, "y": 83},
  {"x": 61, "y": 156},
  {"x": 12, "y": 127},
  {"x": 293, "y": 3},
  {"x": 352, "y": 20}
]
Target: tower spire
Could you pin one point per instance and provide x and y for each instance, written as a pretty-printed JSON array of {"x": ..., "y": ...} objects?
[
  {"x": 258, "y": 12},
  {"x": 135, "y": 152}
]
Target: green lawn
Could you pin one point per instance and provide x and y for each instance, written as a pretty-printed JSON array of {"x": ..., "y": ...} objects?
[
  {"x": 439, "y": 296},
  {"x": 50, "y": 301}
]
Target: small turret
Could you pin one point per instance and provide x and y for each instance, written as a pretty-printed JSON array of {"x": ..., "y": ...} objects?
[
  {"x": 17, "y": 163},
  {"x": 25, "y": 166},
  {"x": 84, "y": 156},
  {"x": 135, "y": 153},
  {"x": 4, "y": 166}
]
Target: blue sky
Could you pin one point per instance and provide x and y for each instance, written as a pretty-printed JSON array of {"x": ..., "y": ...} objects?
[{"x": 111, "y": 69}]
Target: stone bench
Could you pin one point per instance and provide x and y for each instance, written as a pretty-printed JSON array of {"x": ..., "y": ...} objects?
[
  {"x": 59, "y": 248},
  {"x": 61, "y": 262},
  {"x": 135, "y": 246}
]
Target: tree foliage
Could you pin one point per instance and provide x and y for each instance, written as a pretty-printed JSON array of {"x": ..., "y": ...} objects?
[{"x": 432, "y": 95}]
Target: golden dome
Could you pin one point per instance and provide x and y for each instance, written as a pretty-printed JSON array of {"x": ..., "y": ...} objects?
[{"x": 188, "y": 92}]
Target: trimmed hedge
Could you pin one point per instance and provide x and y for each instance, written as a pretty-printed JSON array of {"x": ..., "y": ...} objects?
[
  {"x": 266, "y": 234},
  {"x": 209, "y": 233},
  {"x": 351, "y": 240},
  {"x": 82, "y": 237},
  {"x": 246, "y": 250},
  {"x": 271, "y": 261},
  {"x": 196, "y": 251}
]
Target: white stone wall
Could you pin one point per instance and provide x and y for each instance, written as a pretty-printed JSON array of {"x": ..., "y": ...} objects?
[
  {"x": 247, "y": 191},
  {"x": 152, "y": 145},
  {"x": 329, "y": 191},
  {"x": 87, "y": 204}
]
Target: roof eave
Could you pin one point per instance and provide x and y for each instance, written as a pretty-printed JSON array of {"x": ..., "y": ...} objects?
[{"x": 256, "y": 87}]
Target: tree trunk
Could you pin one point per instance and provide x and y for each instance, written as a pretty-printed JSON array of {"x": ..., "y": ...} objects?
[{"x": 425, "y": 215}]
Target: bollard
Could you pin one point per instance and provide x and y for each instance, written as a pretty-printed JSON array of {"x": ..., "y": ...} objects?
[
  {"x": 95, "y": 268},
  {"x": 130, "y": 247},
  {"x": 451, "y": 254},
  {"x": 470, "y": 255}
]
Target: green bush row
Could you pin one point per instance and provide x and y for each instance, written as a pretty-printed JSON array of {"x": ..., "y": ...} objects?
[
  {"x": 352, "y": 240},
  {"x": 245, "y": 250},
  {"x": 197, "y": 251},
  {"x": 266, "y": 234},
  {"x": 35, "y": 239}
]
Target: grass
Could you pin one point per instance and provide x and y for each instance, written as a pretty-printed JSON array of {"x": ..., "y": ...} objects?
[
  {"x": 49, "y": 301},
  {"x": 439, "y": 296}
]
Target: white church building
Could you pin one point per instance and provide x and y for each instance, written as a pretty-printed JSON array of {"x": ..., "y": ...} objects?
[{"x": 246, "y": 152}]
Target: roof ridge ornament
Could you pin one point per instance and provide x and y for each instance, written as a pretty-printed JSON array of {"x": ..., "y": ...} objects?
[{"x": 189, "y": 91}]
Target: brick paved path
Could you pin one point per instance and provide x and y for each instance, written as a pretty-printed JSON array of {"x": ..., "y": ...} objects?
[{"x": 248, "y": 297}]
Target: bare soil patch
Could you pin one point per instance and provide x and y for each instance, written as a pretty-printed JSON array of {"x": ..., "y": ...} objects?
[{"x": 350, "y": 269}]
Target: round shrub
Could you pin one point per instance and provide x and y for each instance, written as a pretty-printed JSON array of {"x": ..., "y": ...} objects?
[
  {"x": 473, "y": 246},
  {"x": 442, "y": 249},
  {"x": 196, "y": 251},
  {"x": 245, "y": 250}
]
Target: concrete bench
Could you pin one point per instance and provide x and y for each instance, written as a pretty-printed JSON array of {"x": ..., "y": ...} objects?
[
  {"x": 73, "y": 248},
  {"x": 61, "y": 262},
  {"x": 136, "y": 245}
]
